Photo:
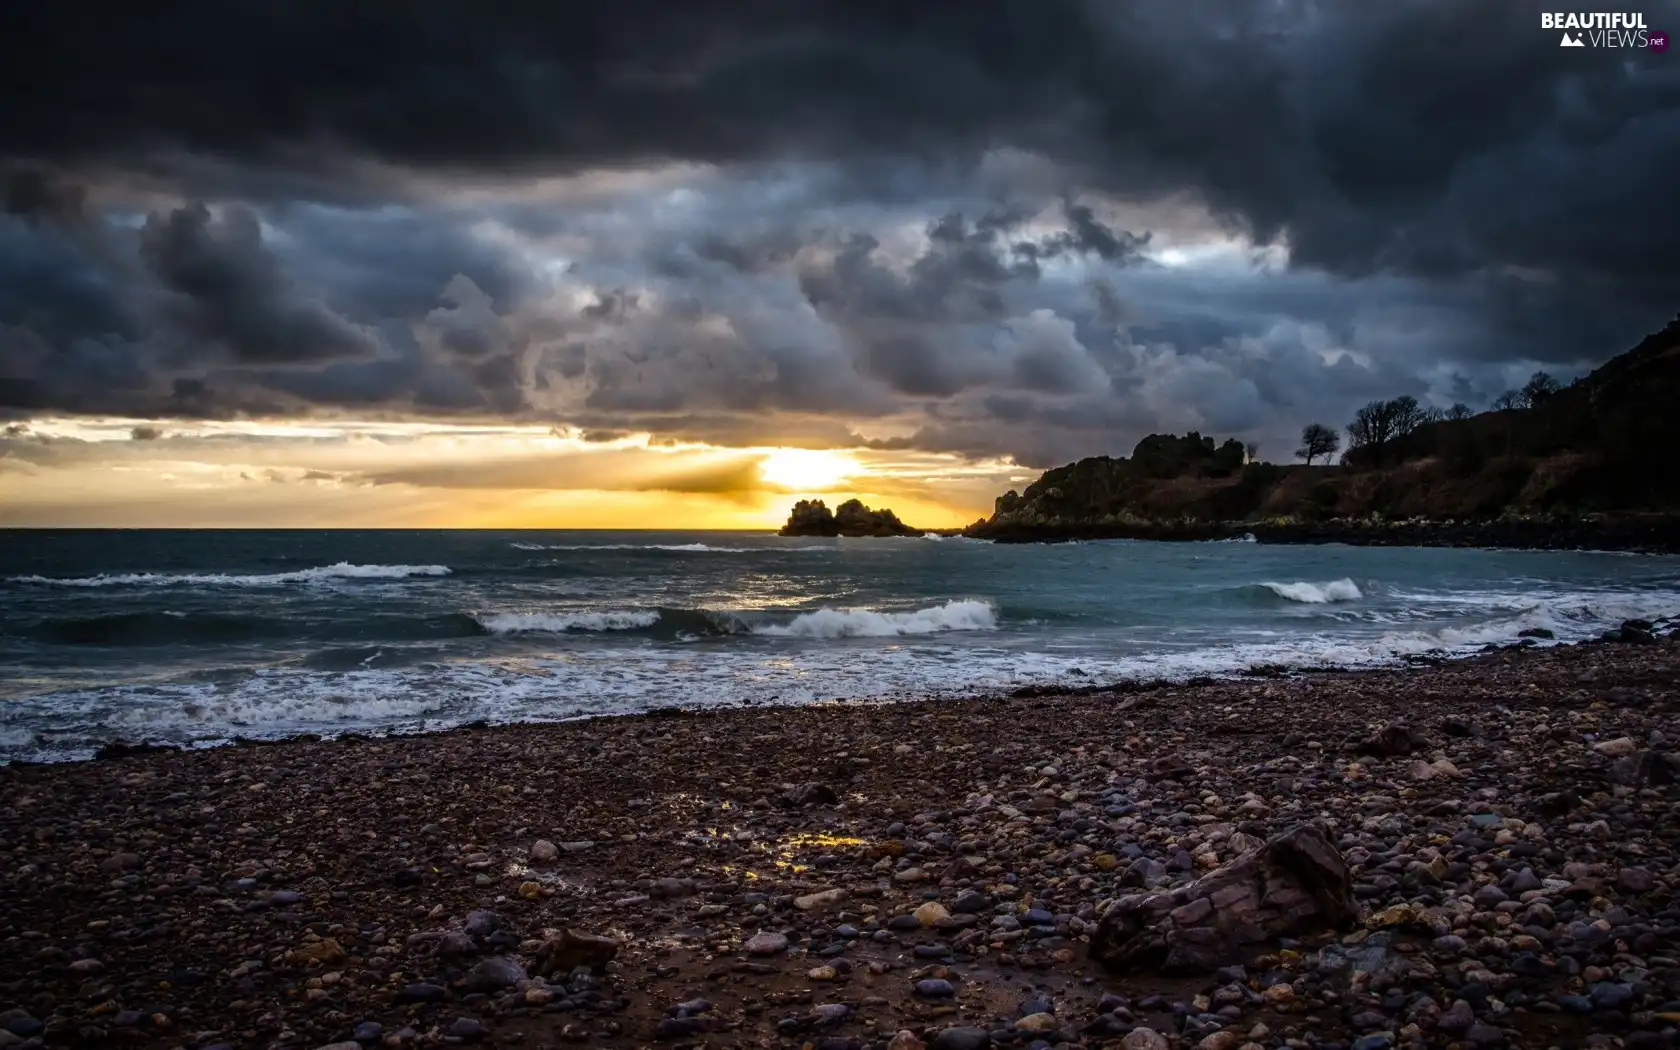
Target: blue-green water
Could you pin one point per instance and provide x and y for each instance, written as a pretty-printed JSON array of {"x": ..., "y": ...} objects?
[{"x": 196, "y": 636}]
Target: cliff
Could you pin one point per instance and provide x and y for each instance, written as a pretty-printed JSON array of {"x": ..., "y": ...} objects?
[
  {"x": 1590, "y": 463},
  {"x": 851, "y": 518}
]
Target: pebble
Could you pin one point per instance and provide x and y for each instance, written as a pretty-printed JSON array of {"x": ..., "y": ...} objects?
[
  {"x": 962, "y": 1039},
  {"x": 467, "y": 1029},
  {"x": 930, "y": 913},
  {"x": 1519, "y": 893},
  {"x": 765, "y": 943}
]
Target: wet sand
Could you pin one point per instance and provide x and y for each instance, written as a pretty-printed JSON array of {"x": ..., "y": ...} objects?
[{"x": 873, "y": 875}]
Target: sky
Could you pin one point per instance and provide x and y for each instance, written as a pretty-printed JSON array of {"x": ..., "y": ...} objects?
[{"x": 678, "y": 264}]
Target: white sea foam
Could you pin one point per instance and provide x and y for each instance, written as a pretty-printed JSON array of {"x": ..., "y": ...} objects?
[
  {"x": 866, "y": 623},
  {"x": 321, "y": 574},
  {"x": 556, "y": 623},
  {"x": 605, "y": 681},
  {"x": 283, "y": 700},
  {"x": 1343, "y": 590}
]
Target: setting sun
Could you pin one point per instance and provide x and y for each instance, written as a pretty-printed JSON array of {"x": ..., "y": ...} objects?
[{"x": 806, "y": 470}]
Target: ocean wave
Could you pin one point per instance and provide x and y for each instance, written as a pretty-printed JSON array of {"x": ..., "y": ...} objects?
[
  {"x": 321, "y": 574},
  {"x": 866, "y": 623},
  {"x": 1569, "y": 618},
  {"x": 161, "y": 627},
  {"x": 559, "y": 623},
  {"x": 363, "y": 693},
  {"x": 1342, "y": 590},
  {"x": 676, "y": 548}
]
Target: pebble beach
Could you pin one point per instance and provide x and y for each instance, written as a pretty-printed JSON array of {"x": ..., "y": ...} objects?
[{"x": 867, "y": 875}]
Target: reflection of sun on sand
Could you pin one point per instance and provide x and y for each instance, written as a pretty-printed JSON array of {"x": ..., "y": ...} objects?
[
  {"x": 806, "y": 469},
  {"x": 788, "y": 852}
]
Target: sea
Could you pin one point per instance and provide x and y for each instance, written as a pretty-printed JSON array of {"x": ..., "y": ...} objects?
[{"x": 200, "y": 637}]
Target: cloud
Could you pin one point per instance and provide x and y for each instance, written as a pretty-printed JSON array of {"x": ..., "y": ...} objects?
[
  {"x": 623, "y": 470},
  {"x": 1032, "y": 229},
  {"x": 223, "y": 288}
]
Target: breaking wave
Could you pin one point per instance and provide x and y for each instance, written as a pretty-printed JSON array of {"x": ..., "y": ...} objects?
[
  {"x": 864, "y": 623},
  {"x": 1343, "y": 590},
  {"x": 321, "y": 574},
  {"x": 689, "y": 624},
  {"x": 559, "y": 623}
]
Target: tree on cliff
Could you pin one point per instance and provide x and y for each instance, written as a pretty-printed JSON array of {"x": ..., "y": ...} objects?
[
  {"x": 1381, "y": 422},
  {"x": 1318, "y": 440},
  {"x": 1539, "y": 389}
]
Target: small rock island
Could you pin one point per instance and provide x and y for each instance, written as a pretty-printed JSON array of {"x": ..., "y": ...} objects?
[{"x": 811, "y": 517}]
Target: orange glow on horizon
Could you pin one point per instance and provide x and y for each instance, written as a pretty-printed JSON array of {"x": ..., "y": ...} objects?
[{"x": 186, "y": 474}]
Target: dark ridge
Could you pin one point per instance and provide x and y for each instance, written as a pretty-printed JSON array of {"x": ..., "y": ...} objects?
[{"x": 1583, "y": 466}]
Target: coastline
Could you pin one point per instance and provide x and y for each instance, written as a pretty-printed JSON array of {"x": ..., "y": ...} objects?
[
  {"x": 189, "y": 898},
  {"x": 1657, "y": 533}
]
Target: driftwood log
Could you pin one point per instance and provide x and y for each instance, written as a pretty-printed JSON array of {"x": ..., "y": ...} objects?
[{"x": 1295, "y": 884}]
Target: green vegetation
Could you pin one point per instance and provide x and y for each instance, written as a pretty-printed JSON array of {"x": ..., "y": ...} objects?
[{"x": 1600, "y": 445}]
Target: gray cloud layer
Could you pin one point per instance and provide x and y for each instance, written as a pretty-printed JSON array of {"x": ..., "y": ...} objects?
[{"x": 749, "y": 220}]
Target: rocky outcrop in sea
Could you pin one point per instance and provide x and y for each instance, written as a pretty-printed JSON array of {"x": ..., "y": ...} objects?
[{"x": 851, "y": 518}]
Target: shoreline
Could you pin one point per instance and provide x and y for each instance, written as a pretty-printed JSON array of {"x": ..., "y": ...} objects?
[
  {"x": 294, "y": 894},
  {"x": 124, "y": 748},
  {"x": 1655, "y": 534}
]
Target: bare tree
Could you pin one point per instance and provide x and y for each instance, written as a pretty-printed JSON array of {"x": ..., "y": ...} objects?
[
  {"x": 1318, "y": 440},
  {"x": 1539, "y": 389},
  {"x": 1509, "y": 400},
  {"x": 1252, "y": 451},
  {"x": 1408, "y": 415},
  {"x": 1460, "y": 410},
  {"x": 1381, "y": 422},
  {"x": 1372, "y": 426}
]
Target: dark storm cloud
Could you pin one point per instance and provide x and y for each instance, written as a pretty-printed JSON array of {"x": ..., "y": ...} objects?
[
  {"x": 1344, "y": 124},
  {"x": 227, "y": 289},
  {"x": 33, "y": 193},
  {"x": 913, "y": 213}
]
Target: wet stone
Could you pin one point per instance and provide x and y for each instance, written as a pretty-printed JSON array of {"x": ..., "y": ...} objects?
[
  {"x": 962, "y": 1038},
  {"x": 422, "y": 993},
  {"x": 468, "y": 1029},
  {"x": 766, "y": 943}
]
